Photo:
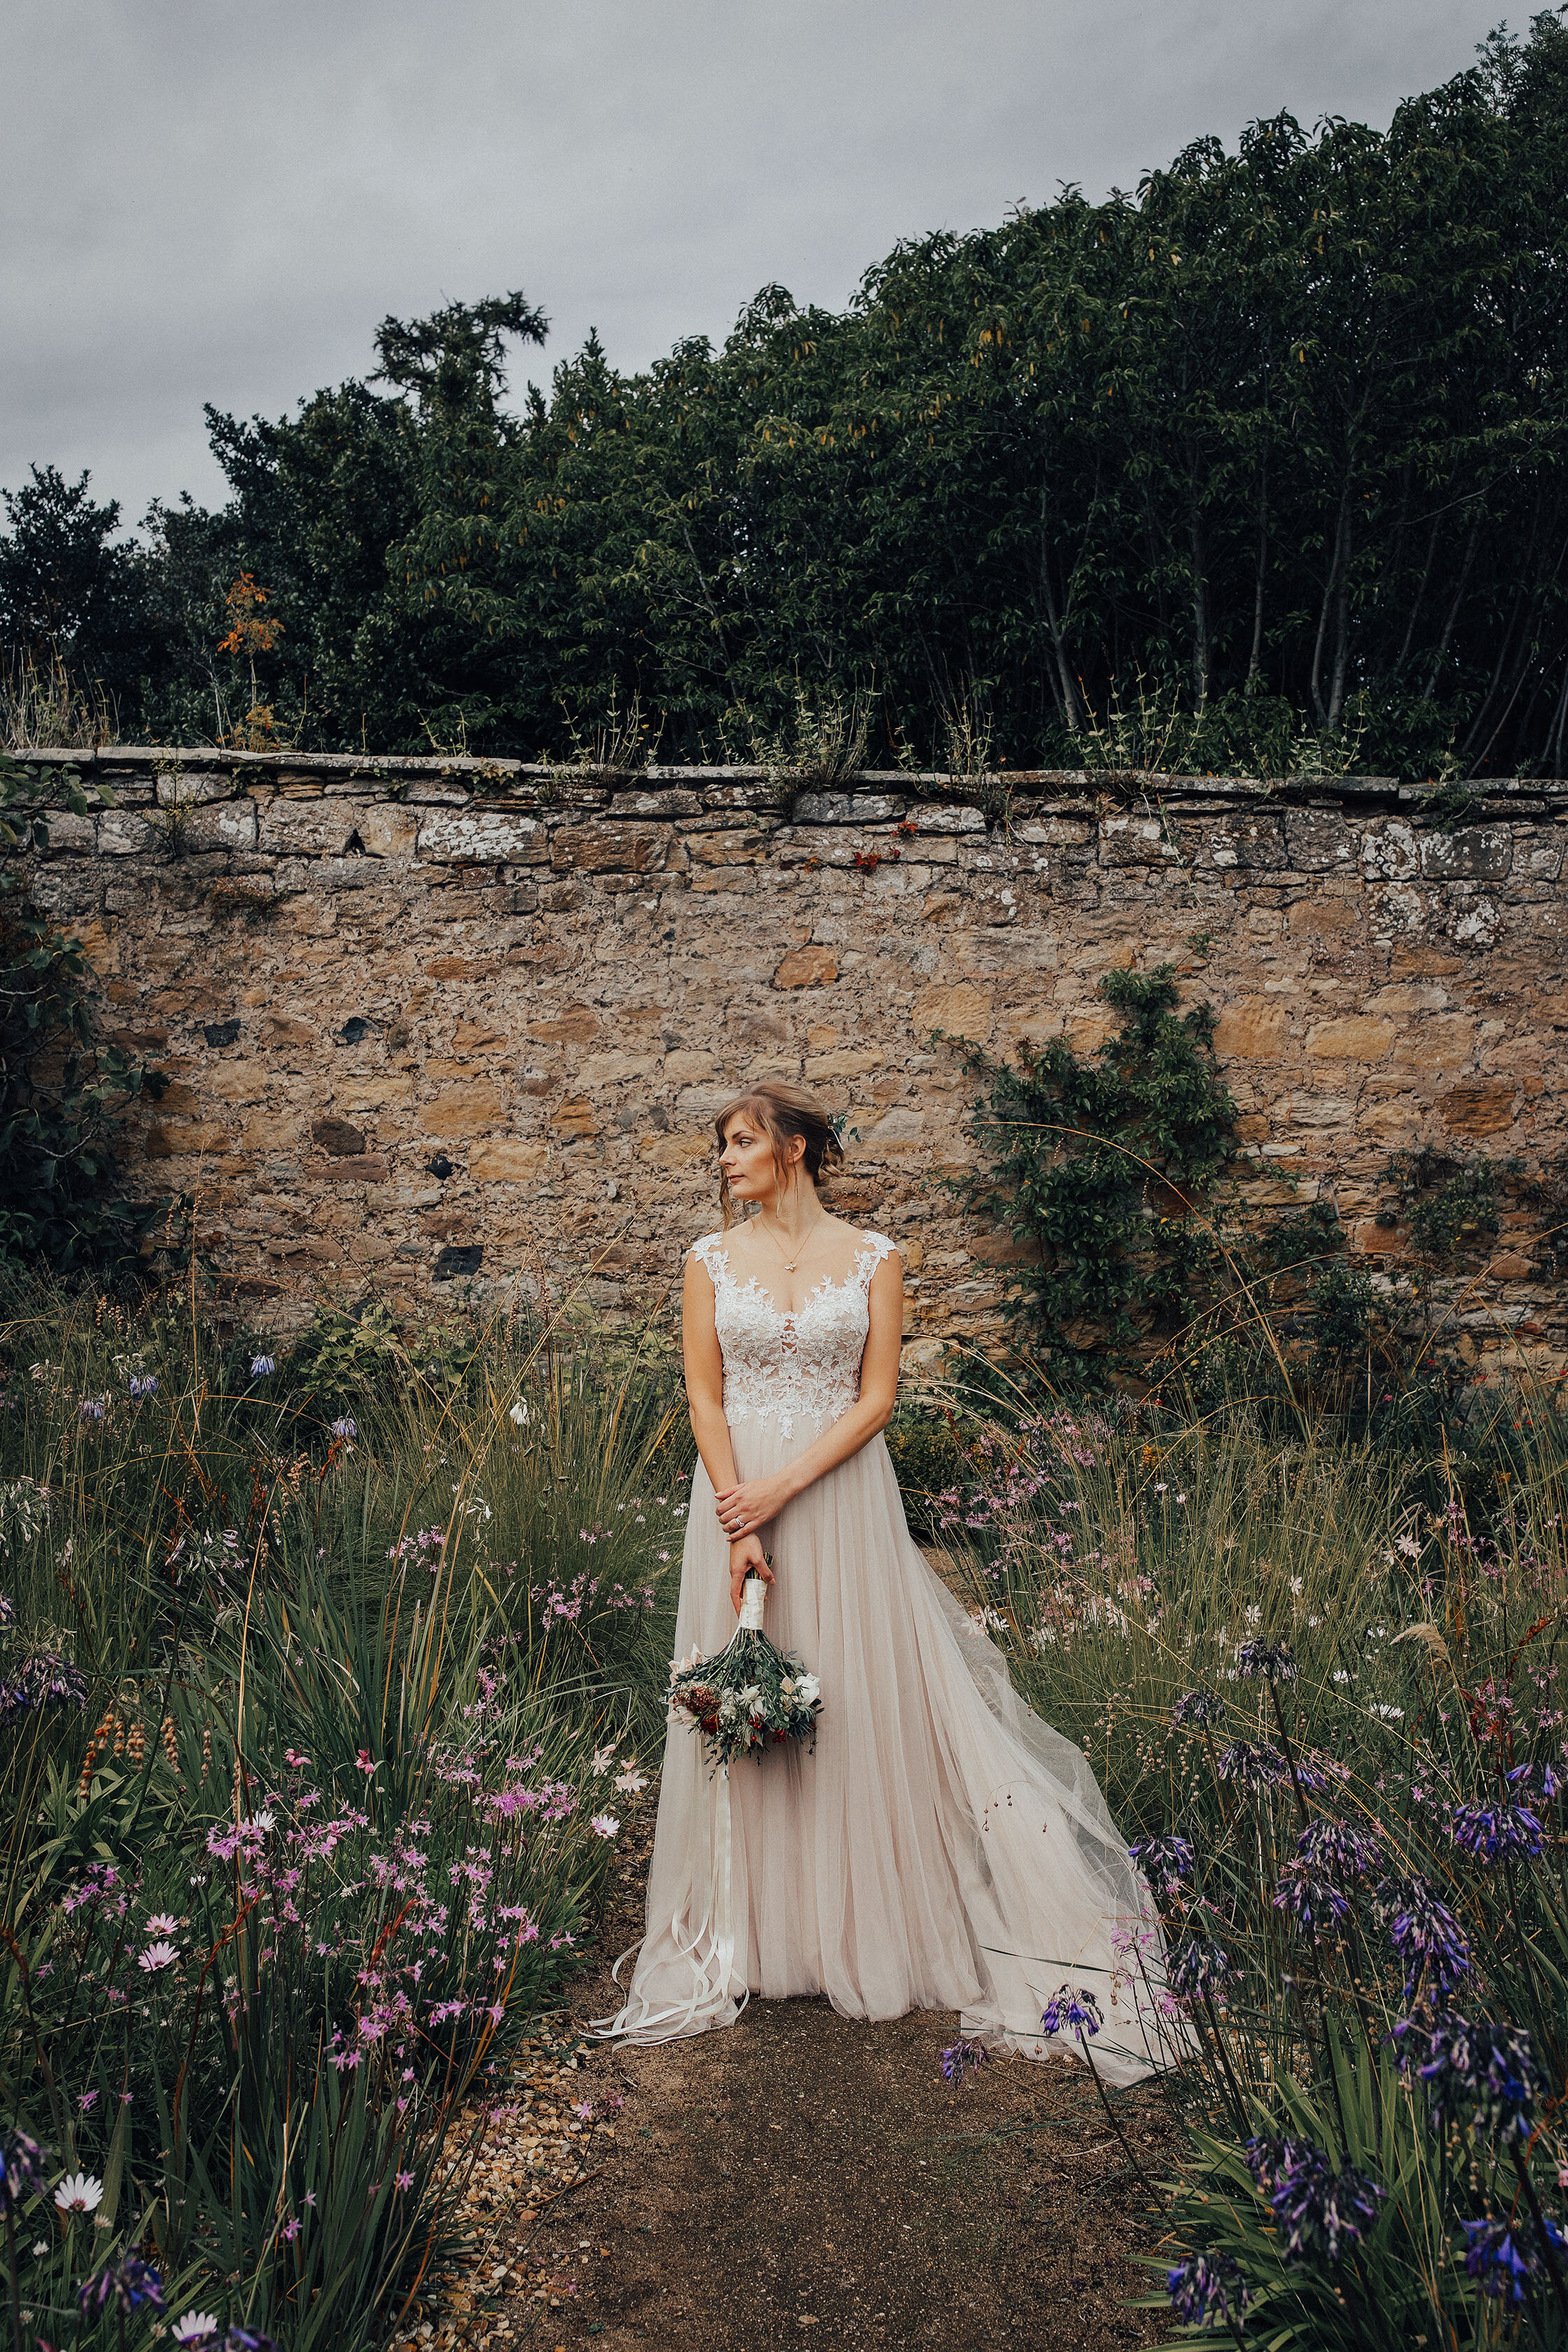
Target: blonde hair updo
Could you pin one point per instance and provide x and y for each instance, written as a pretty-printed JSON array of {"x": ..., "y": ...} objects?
[{"x": 783, "y": 1112}]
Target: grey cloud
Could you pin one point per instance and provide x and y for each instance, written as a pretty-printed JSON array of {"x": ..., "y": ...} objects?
[{"x": 216, "y": 203}]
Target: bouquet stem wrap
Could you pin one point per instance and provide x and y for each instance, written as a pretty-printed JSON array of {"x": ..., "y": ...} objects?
[{"x": 748, "y": 1697}]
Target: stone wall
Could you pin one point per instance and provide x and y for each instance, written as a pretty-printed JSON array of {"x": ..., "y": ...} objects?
[{"x": 431, "y": 1019}]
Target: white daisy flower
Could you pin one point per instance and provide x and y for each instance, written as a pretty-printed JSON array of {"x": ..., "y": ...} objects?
[
  {"x": 156, "y": 1956},
  {"x": 78, "y": 2192}
]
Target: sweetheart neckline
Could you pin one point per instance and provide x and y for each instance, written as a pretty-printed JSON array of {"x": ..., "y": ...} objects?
[{"x": 751, "y": 1286}]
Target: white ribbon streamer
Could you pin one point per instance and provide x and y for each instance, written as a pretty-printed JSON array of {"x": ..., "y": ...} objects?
[{"x": 712, "y": 1950}]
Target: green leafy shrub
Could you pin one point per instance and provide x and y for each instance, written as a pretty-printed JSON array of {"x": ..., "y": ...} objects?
[{"x": 1095, "y": 1165}]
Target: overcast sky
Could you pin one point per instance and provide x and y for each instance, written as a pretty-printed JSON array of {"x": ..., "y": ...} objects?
[{"x": 220, "y": 202}]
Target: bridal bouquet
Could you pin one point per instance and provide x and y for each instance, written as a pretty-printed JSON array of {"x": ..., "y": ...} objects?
[{"x": 750, "y": 1696}]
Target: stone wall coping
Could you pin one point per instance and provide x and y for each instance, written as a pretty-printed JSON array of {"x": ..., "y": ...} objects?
[{"x": 461, "y": 779}]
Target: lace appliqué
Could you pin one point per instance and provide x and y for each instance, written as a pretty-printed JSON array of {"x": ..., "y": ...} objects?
[{"x": 786, "y": 1366}]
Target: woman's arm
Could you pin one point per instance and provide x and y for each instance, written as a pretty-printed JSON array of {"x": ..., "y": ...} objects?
[
  {"x": 743, "y": 1508},
  {"x": 705, "y": 1401}
]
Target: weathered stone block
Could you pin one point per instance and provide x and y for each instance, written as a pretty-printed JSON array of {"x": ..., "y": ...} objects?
[
  {"x": 727, "y": 849},
  {"x": 336, "y": 1136},
  {"x": 1139, "y": 841},
  {"x": 575, "y": 1117},
  {"x": 122, "y": 834},
  {"x": 368, "y": 1168},
  {"x": 822, "y": 1067},
  {"x": 807, "y": 967},
  {"x": 385, "y": 830},
  {"x": 222, "y": 825},
  {"x": 576, "y": 1024},
  {"x": 849, "y": 808},
  {"x": 1481, "y": 852},
  {"x": 1256, "y": 1029},
  {"x": 465, "y": 1110},
  {"x": 508, "y": 1159},
  {"x": 74, "y": 836},
  {"x": 483, "y": 837},
  {"x": 958, "y": 1008},
  {"x": 282, "y": 1029},
  {"x": 1480, "y": 1107},
  {"x": 1248, "y": 842},
  {"x": 375, "y": 1090},
  {"x": 313, "y": 829},
  {"x": 190, "y": 787},
  {"x": 1354, "y": 1037},
  {"x": 615, "y": 1069},
  {"x": 675, "y": 1152},
  {"x": 610, "y": 847},
  {"x": 1318, "y": 840},
  {"x": 272, "y": 1131},
  {"x": 184, "y": 1138},
  {"x": 1390, "y": 854}
]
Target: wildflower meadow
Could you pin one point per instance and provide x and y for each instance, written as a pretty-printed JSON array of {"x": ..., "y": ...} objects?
[
  {"x": 1320, "y": 1683},
  {"x": 322, "y": 1677}
]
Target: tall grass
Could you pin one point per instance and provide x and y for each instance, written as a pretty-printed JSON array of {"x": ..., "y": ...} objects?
[
  {"x": 309, "y": 1725},
  {"x": 1321, "y": 1687}
]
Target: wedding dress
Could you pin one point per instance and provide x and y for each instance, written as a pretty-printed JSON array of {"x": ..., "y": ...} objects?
[{"x": 942, "y": 1847}]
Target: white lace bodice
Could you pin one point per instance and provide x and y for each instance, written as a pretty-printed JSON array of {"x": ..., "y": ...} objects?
[{"x": 783, "y": 1366}]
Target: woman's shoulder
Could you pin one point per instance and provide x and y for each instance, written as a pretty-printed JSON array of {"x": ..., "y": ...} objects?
[{"x": 708, "y": 1248}]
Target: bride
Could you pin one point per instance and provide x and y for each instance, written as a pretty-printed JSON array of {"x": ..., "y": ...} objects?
[{"x": 942, "y": 1847}]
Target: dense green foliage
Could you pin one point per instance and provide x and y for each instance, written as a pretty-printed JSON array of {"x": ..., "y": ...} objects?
[
  {"x": 1257, "y": 467},
  {"x": 309, "y": 1733},
  {"x": 63, "y": 1088}
]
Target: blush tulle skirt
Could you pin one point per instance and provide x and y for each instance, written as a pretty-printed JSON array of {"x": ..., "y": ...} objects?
[{"x": 942, "y": 1847}]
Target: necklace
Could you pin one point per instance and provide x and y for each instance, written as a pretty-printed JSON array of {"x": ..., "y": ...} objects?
[{"x": 791, "y": 1263}]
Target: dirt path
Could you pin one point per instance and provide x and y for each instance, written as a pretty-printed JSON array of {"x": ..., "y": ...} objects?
[{"x": 806, "y": 2176}]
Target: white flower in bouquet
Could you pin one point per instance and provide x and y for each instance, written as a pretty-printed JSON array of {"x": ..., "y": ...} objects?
[
  {"x": 748, "y": 1697},
  {"x": 808, "y": 1690}
]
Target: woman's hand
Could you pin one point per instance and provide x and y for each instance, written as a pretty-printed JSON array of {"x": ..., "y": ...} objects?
[
  {"x": 747, "y": 1558},
  {"x": 745, "y": 1507}
]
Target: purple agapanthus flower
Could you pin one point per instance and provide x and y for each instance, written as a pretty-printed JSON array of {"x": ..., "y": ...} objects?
[
  {"x": 1256, "y": 1770},
  {"x": 24, "y": 2168},
  {"x": 1067, "y": 2011},
  {"x": 1200, "y": 1709},
  {"x": 1485, "y": 2070},
  {"x": 7, "y": 1611},
  {"x": 124, "y": 2281},
  {"x": 1501, "y": 2263},
  {"x": 1497, "y": 1832},
  {"x": 1320, "y": 2211},
  {"x": 1197, "y": 1967},
  {"x": 963, "y": 2060},
  {"x": 1310, "y": 1896},
  {"x": 45, "y": 1679},
  {"x": 1274, "y": 1660},
  {"x": 1164, "y": 1862},
  {"x": 1426, "y": 1936},
  {"x": 1208, "y": 2288},
  {"x": 1332, "y": 1844}
]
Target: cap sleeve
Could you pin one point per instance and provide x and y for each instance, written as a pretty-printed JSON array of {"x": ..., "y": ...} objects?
[
  {"x": 709, "y": 1255},
  {"x": 873, "y": 1250}
]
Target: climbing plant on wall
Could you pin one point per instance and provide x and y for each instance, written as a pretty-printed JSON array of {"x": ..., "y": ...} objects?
[
  {"x": 63, "y": 1088},
  {"x": 1097, "y": 1164}
]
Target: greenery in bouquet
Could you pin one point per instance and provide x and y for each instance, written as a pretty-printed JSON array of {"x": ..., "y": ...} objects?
[{"x": 748, "y": 1697}]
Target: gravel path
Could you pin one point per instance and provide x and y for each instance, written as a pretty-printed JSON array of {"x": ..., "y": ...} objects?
[{"x": 806, "y": 2176}]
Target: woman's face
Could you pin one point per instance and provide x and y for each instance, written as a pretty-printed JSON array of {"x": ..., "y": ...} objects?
[{"x": 747, "y": 1159}]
